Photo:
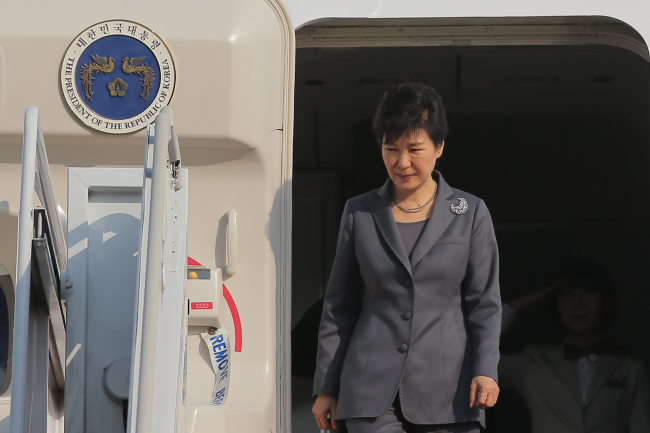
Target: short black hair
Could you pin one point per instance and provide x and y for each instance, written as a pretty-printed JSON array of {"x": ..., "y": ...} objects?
[
  {"x": 582, "y": 273},
  {"x": 408, "y": 107}
]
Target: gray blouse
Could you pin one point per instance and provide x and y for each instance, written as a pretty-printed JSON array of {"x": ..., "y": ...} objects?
[{"x": 410, "y": 233}]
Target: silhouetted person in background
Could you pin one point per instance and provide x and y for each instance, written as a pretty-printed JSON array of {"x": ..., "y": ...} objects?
[{"x": 585, "y": 384}]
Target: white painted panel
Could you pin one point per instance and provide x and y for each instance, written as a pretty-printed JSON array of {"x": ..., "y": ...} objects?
[
  {"x": 631, "y": 12},
  {"x": 251, "y": 185},
  {"x": 104, "y": 230},
  {"x": 305, "y": 11},
  {"x": 2, "y": 79},
  {"x": 233, "y": 112},
  {"x": 231, "y": 58},
  {"x": 113, "y": 234},
  {"x": 172, "y": 332}
]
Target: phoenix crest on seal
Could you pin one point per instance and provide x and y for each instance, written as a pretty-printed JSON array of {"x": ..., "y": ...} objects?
[
  {"x": 134, "y": 65},
  {"x": 100, "y": 64}
]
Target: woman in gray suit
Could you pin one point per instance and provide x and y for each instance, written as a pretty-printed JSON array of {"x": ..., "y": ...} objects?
[{"x": 409, "y": 335}]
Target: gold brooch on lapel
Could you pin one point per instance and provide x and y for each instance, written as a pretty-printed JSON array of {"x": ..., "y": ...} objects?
[{"x": 461, "y": 208}]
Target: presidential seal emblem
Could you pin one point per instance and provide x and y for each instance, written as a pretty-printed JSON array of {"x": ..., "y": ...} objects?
[{"x": 117, "y": 75}]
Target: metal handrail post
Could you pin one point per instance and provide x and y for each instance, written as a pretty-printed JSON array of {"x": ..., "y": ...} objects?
[
  {"x": 153, "y": 282},
  {"x": 49, "y": 202},
  {"x": 23, "y": 272},
  {"x": 174, "y": 150}
]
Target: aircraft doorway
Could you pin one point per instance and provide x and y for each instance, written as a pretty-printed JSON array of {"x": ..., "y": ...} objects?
[{"x": 554, "y": 137}]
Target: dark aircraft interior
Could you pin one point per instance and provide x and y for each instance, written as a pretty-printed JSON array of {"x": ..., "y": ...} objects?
[{"x": 554, "y": 138}]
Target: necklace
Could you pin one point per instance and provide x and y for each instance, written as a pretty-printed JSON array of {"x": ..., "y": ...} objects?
[{"x": 417, "y": 208}]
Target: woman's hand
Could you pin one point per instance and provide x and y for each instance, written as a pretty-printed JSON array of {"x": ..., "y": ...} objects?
[
  {"x": 484, "y": 392},
  {"x": 325, "y": 405}
]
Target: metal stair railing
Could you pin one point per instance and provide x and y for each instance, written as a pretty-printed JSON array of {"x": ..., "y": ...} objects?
[
  {"x": 39, "y": 318},
  {"x": 163, "y": 178}
]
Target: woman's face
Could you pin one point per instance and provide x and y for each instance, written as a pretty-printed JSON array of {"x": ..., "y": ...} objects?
[
  {"x": 580, "y": 310},
  {"x": 411, "y": 159}
]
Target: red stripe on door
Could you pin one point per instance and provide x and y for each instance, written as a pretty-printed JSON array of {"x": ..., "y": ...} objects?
[{"x": 235, "y": 318}]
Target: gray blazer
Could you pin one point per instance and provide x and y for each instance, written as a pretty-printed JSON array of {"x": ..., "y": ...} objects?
[
  {"x": 617, "y": 401},
  {"x": 425, "y": 326}
]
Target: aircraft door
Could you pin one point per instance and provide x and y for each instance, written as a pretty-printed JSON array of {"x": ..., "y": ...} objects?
[{"x": 239, "y": 222}]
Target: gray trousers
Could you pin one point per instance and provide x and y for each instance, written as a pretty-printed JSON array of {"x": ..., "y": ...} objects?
[{"x": 394, "y": 422}]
